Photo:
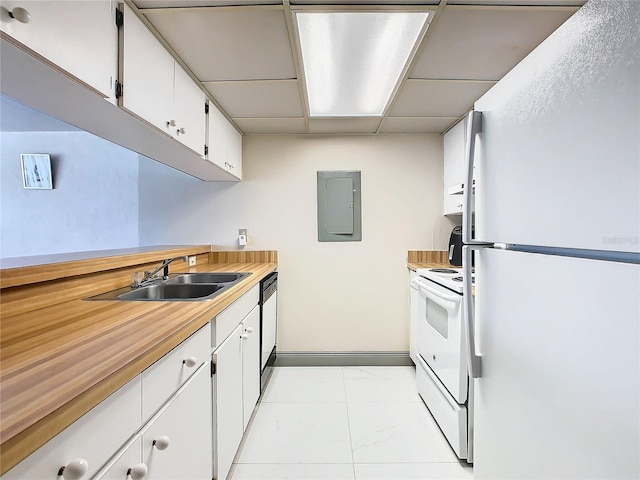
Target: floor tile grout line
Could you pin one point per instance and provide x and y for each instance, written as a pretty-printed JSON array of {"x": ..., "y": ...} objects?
[{"x": 346, "y": 406}]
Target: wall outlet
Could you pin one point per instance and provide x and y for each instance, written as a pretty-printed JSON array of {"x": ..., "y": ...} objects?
[{"x": 192, "y": 261}]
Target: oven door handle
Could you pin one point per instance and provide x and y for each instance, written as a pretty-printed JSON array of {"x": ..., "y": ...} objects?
[{"x": 453, "y": 299}]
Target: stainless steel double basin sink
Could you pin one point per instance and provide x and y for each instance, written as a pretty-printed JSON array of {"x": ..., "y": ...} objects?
[{"x": 182, "y": 287}]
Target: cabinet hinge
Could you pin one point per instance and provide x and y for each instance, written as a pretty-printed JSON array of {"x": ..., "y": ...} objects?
[
  {"x": 206, "y": 150},
  {"x": 118, "y": 89},
  {"x": 119, "y": 18},
  {"x": 206, "y": 107},
  {"x": 213, "y": 369}
]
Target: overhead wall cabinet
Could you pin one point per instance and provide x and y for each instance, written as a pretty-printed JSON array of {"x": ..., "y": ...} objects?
[
  {"x": 455, "y": 141},
  {"x": 157, "y": 89},
  {"x": 224, "y": 143},
  {"x": 80, "y": 40},
  {"x": 72, "y": 56}
]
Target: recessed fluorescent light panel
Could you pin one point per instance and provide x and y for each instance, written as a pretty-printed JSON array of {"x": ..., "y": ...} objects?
[{"x": 353, "y": 60}]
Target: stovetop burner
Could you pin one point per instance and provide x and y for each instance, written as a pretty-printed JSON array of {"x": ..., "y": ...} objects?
[
  {"x": 459, "y": 279},
  {"x": 443, "y": 270}
]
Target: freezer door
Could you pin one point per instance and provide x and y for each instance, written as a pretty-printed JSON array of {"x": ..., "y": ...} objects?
[
  {"x": 559, "y": 393},
  {"x": 557, "y": 162}
]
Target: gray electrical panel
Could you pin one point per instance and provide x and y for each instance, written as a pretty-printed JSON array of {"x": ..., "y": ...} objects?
[{"x": 339, "y": 206}]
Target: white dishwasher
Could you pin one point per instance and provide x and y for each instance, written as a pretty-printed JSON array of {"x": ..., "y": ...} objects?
[{"x": 268, "y": 326}]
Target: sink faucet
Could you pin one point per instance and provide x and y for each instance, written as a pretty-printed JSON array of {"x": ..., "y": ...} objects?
[{"x": 150, "y": 276}]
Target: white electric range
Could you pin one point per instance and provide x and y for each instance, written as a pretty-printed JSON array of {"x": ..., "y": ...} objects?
[{"x": 441, "y": 361}]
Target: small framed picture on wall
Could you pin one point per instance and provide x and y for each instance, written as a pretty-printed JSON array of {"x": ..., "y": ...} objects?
[{"x": 36, "y": 170}]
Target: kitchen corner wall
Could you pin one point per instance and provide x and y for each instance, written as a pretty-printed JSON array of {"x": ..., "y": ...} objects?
[
  {"x": 333, "y": 297},
  {"x": 94, "y": 203}
]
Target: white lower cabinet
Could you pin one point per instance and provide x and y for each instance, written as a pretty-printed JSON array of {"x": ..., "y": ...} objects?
[
  {"x": 250, "y": 364},
  {"x": 94, "y": 438},
  {"x": 413, "y": 317},
  {"x": 236, "y": 382},
  {"x": 227, "y": 397},
  {"x": 177, "y": 444}
]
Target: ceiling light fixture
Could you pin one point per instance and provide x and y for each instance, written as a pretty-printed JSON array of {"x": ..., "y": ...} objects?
[{"x": 353, "y": 60}]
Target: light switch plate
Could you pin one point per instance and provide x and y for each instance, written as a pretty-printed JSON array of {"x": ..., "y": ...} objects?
[{"x": 192, "y": 261}]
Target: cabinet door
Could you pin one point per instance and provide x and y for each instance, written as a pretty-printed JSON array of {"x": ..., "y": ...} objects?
[
  {"x": 148, "y": 75},
  {"x": 227, "y": 398},
  {"x": 185, "y": 425},
  {"x": 454, "y": 142},
  {"x": 94, "y": 437},
  {"x": 79, "y": 37},
  {"x": 217, "y": 138},
  {"x": 250, "y": 364},
  {"x": 234, "y": 151},
  {"x": 190, "y": 116}
]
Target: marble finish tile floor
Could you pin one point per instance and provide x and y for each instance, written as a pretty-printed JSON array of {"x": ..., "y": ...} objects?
[{"x": 345, "y": 423}]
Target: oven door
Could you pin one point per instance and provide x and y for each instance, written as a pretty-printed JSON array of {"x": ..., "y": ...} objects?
[{"x": 440, "y": 338}]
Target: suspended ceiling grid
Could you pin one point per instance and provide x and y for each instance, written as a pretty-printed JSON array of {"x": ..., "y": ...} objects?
[{"x": 246, "y": 56}]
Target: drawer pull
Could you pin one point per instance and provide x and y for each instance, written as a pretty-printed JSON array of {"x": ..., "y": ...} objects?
[
  {"x": 244, "y": 336},
  {"x": 161, "y": 443},
  {"x": 190, "y": 361},
  {"x": 138, "y": 472},
  {"x": 248, "y": 329},
  {"x": 74, "y": 470}
]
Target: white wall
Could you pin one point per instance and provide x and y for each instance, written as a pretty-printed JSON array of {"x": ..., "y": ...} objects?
[
  {"x": 94, "y": 203},
  {"x": 333, "y": 296}
]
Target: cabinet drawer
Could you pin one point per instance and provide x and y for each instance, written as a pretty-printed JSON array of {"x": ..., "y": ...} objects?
[
  {"x": 451, "y": 417},
  {"x": 94, "y": 437},
  {"x": 230, "y": 318},
  {"x": 165, "y": 376}
]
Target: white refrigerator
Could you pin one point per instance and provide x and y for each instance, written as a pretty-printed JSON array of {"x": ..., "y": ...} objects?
[{"x": 555, "y": 339}]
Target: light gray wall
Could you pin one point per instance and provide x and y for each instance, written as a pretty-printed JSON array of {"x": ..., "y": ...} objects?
[
  {"x": 94, "y": 203},
  {"x": 340, "y": 297}
]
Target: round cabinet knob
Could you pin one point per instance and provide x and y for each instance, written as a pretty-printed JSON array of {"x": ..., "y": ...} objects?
[
  {"x": 171, "y": 123},
  {"x": 20, "y": 14},
  {"x": 190, "y": 361},
  {"x": 74, "y": 470},
  {"x": 182, "y": 130},
  {"x": 161, "y": 443},
  {"x": 244, "y": 336},
  {"x": 248, "y": 330},
  {"x": 138, "y": 472}
]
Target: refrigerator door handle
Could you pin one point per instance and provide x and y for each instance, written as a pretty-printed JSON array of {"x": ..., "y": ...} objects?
[
  {"x": 468, "y": 314},
  {"x": 474, "y": 127}
]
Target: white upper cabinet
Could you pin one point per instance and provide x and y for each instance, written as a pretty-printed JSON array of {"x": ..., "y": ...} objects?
[
  {"x": 454, "y": 151},
  {"x": 225, "y": 143},
  {"x": 157, "y": 89},
  {"x": 79, "y": 38}
]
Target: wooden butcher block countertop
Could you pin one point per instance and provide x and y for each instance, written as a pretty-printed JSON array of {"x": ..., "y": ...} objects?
[{"x": 49, "y": 377}]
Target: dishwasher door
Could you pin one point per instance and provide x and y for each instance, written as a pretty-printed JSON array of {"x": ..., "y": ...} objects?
[{"x": 268, "y": 326}]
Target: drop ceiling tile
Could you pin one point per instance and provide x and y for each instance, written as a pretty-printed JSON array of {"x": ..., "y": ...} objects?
[
  {"x": 417, "y": 124},
  {"x": 437, "y": 98},
  {"x": 244, "y": 43},
  {"x": 484, "y": 43},
  {"x": 270, "y": 125},
  {"x": 344, "y": 125},
  {"x": 265, "y": 98}
]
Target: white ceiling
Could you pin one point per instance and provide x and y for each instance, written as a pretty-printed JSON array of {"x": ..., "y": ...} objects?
[{"x": 246, "y": 55}]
